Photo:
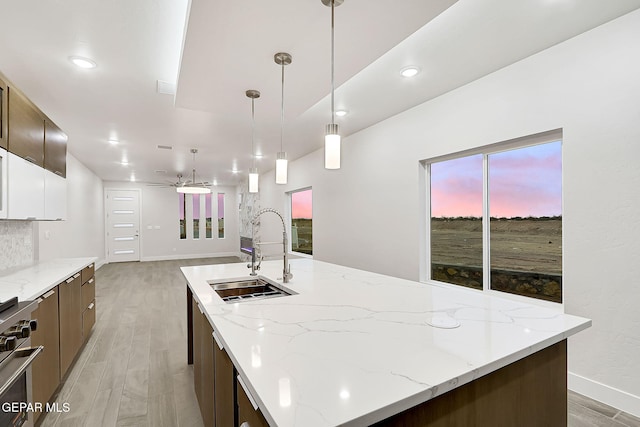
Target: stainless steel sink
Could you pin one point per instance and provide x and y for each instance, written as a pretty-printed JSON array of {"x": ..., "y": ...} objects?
[{"x": 249, "y": 289}]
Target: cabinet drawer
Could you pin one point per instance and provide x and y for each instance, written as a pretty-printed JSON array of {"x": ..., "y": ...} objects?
[
  {"x": 88, "y": 320},
  {"x": 88, "y": 292},
  {"x": 88, "y": 272}
]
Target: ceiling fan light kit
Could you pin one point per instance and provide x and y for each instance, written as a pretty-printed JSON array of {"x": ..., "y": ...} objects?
[{"x": 194, "y": 187}]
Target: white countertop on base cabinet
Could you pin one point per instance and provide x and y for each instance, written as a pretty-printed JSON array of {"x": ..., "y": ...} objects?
[
  {"x": 354, "y": 347},
  {"x": 29, "y": 282}
]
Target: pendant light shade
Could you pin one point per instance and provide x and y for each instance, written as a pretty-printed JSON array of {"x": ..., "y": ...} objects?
[
  {"x": 332, "y": 147},
  {"x": 254, "y": 178},
  {"x": 281, "y": 168},
  {"x": 282, "y": 59},
  {"x": 332, "y": 137}
]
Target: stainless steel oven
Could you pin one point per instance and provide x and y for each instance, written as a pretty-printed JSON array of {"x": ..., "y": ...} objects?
[{"x": 16, "y": 356}]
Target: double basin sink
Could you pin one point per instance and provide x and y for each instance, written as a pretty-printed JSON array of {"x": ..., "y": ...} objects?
[{"x": 249, "y": 289}]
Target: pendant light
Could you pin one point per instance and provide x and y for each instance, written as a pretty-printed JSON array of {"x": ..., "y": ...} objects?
[
  {"x": 282, "y": 59},
  {"x": 332, "y": 135},
  {"x": 253, "y": 172}
]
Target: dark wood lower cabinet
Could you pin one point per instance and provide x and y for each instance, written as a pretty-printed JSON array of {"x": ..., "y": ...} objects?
[
  {"x": 203, "y": 374},
  {"x": 45, "y": 370},
  {"x": 70, "y": 307},
  {"x": 246, "y": 412},
  {"x": 531, "y": 392},
  {"x": 224, "y": 395}
]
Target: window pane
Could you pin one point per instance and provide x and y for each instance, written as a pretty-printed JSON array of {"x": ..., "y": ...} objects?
[
  {"x": 196, "y": 215},
  {"x": 525, "y": 205},
  {"x": 181, "y": 209},
  {"x": 456, "y": 221},
  {"x": 220, "y": 215},
  {"x": 301, "y": 222},
  {"x": 208, "y": 209}
]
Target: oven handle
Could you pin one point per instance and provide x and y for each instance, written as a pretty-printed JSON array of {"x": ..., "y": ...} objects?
[{"x": 23, "y": 352}]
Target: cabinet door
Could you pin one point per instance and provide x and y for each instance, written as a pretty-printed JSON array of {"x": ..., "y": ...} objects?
[
  {"x": 55, "y": 149},
  {"x": 248, "y": 411},
  {"x": 207, "y": 406},
  {"x": 197, "y": 350},
  {"x": 26, "y": 129},
  {"x": 45, "y": 372},
  {"x": 55, "y": 197},
  {"x": 4, "y": 96},
  {"x": 70, "y": 305},
  {"x": 25, "y": 188},
  {"x": 224, "y": 378}
]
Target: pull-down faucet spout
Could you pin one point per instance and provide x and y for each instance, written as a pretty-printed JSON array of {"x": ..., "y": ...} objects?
[{"x": 286, "y": 270}]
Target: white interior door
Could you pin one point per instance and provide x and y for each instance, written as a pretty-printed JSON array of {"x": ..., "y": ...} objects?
[{"x": 123, "y": 225}]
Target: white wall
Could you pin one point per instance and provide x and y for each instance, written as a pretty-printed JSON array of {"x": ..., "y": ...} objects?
[
  {"x": 82, "y": 234},
  {"x": 367, "y": 214},
  {"x": 159, "y": 210}
]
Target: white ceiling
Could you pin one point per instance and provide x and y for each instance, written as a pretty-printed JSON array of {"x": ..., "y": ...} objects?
[{"x": 228, "y": 47}]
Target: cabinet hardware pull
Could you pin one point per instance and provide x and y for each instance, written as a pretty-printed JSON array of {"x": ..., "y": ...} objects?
[
  {"x": 75, "y": 276},
  {"x": 244, "y": 387},
  {"x": 217, "y": 340},
  {"x": 39, "y": 301},
  {"x": 30, "y": 159},
  {"x": 48, "y": 294},
  {"x": 91, "y": 306},
  {"x": 30, "y": 218},
  {"x": 69, "y": 280},
  {"x": 58, "y": 173},
  {"x": 90, "y": 266}
]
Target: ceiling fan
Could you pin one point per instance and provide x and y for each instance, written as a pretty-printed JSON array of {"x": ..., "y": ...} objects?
[{"x": 189, "y": 186}]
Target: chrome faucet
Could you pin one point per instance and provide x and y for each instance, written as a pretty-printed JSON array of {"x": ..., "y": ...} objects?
[{"x": 286, "y": 270}]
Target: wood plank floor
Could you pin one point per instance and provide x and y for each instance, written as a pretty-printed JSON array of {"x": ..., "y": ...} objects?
[{"x": 133, "y": 370}]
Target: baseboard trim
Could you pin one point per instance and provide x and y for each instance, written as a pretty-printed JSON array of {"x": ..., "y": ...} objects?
[
  {"x": 189, "y": 256},
  {"x": 619, "y": 399},
  {"x": 99, "y": 263}
]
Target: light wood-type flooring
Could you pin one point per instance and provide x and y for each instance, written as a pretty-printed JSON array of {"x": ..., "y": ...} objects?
[{"x": 133, "y": 370}]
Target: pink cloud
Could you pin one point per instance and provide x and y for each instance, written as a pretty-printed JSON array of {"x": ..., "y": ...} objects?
[{"x": 302, "y": 204}]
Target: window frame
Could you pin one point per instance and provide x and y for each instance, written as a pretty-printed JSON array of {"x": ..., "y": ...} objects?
[
  {"x": 425, "y": 206},
  {"x": 289, "y": 215}
]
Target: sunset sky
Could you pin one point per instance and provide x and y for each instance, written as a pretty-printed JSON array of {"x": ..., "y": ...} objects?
[
  {"x": 523, "y": 182},
  {"x": 301, "y": 204},
  {"x": 196, "y": 205}
]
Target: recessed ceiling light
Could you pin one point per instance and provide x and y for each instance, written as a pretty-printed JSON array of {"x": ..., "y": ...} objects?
[
  {"x": 234, "y": 170},
  {"x": 215, "y": 182},
  {"x": 258, "y": 155},
  {"x": 114, "y": 141},
  {"x": 124, "y": 163},
  {"x": 341, "y": 113},
  {"x": 133, "y": 178},
  {"x": 82, "y": 62},
  {"x": 409, "y": 71}
]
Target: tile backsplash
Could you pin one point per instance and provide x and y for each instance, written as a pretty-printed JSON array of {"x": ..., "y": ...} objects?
[{"x": 16, "y": 243}]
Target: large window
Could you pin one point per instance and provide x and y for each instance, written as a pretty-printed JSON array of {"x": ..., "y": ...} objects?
[
  {"x": 302, "y": 222},
  {"x": 519, "y": 188}
]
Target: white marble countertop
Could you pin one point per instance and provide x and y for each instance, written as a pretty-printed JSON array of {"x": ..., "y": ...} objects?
[
  {"x": 29, "y": 282},
  {"x": 353, "y": 347}
]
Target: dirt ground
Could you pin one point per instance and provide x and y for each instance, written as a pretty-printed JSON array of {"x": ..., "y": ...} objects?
[{"x": 531, "y": 245}]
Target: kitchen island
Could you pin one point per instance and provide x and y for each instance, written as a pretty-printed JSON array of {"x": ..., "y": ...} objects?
[{"x": 357, "y": 348}]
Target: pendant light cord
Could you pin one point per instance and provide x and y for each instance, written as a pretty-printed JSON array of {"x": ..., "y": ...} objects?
[
  {"x": 282, "y": 110},
  {"x": 332, "y": 66},
  {"x": 253, "y": 131}
]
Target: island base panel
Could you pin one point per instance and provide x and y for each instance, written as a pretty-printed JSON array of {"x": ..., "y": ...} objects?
[{"x": 529, "y": 392}]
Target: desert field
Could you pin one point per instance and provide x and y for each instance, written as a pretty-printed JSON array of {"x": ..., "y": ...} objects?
[{"x": 529, "y": 245}]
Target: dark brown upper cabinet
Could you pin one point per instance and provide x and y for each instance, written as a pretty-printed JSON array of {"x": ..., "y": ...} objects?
[
  {"x": 55, "y": 149},
  {"x": 4, "y": 96},
  {"x": 26, "y": 129}
]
